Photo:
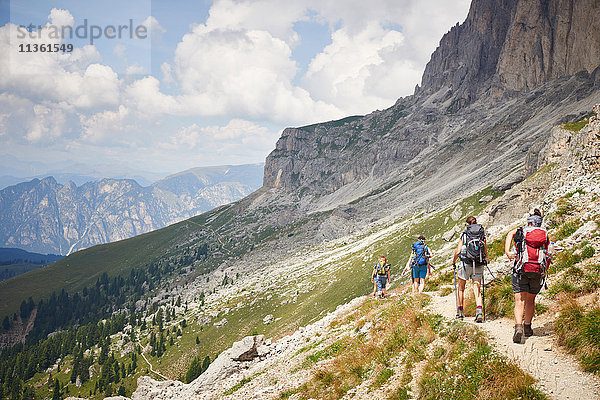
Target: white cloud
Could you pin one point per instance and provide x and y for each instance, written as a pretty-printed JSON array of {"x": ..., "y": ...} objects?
[
  {"x": 74, "y": 79},
  {"x": 231, "y": 73},
  {"x": 339, "y": 74},
  {"x": 154, "y": 28},
  {"x": 238, "y": 66},
  {"x": 167, "y": 71},
  {"x": 102, "y": 127},
  {"x": 239, "y": 141},
  {"x": 23, "y": 121},
  {"x": 135, "y": 69},
  {"x": 254, "y": 16},
  {"x": 60, "y": 18},
  {"x": 120, "y": 50},
  {"x": 145, "y": 96},
  {"x": 47, "y": 124}
]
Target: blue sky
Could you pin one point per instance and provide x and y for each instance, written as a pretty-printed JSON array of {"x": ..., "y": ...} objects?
[{"x": 215, "y": 82}]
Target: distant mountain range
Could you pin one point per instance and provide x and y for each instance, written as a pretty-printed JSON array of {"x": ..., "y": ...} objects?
[
  {"x": 14, "y": 262},
  {"x": 14, "y": 171},
  {"x": 45, "y": 216}
]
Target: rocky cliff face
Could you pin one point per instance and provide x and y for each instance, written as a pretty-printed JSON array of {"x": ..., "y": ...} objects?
[
  {"x": 44, "y": 216},
  {"x": 514, "y": 45},
  {"x": 492, "y": 91}
]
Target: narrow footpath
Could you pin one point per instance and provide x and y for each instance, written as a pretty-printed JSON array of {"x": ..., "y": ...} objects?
[{"x": 558, "y": 373}]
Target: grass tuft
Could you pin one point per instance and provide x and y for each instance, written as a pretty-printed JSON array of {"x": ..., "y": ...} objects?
[
  {"x": 578, "y": 330},
  {"x": 471, "y": 369}
]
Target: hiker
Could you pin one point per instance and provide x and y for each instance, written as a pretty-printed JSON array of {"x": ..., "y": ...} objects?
[
  {"x": 472, "y": 250},
  {"x": 380, "y": 276},
  {"x": 419, "y": 263},
  {"x": 531, "y": 259}
]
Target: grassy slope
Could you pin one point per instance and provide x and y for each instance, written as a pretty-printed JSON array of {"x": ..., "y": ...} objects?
[
  {"x": 84, "y": 267},
  {"x": 349, "y": 278}
]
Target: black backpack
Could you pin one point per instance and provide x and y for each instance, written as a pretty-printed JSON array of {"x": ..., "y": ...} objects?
[{"x": 474, "y": 240}]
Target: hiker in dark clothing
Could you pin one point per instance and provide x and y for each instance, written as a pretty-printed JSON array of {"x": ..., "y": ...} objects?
[
  {"x": 381, "y": 276},
  {"x": 472, "y": 250},
  {"x": 419, "y": 264},
  {"x": 531, "y": 261}
]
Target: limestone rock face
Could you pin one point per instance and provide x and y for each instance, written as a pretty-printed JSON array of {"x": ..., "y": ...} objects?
[
  {"x": 588, "y": 142},
  {"x": 229, "y": 362},
  {"x": 514, "y": 45},
  {"x": 492, "y": 90},
  {"x": 549, "y": 39}
]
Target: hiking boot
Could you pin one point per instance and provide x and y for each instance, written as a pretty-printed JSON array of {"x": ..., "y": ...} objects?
[
  {"x": 518, "y": 333},
  {"x": 479, "y": 315},
  {"x": 528, "y": 330},
  {"x": 459, "y": 314}
]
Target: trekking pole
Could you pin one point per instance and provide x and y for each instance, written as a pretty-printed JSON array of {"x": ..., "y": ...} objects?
[
  {"x": 490, "y": 271},
  {"x": 483, "y": 291},
  {"x": 455, "y": 292}
]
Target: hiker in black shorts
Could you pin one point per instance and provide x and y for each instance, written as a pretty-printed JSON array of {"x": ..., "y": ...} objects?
[{"x": 531, "y": 261}]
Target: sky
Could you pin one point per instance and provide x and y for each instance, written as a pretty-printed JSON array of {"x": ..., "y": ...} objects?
[{"x": 164, "y": 86}]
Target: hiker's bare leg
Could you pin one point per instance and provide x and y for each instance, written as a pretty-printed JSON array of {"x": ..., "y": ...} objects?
[
  {"x": 461, "y": 291},
  {"x": 520, "y": 306},
  {"x": 421, "y": 285},
  {"x": 529, "y": 306},
  {"x": 477, "y": 291}
]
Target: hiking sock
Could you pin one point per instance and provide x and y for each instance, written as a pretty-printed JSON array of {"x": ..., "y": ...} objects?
[
  {"x": 479, "y": 314},
  {"x": 518, "y": 333},
  {"x": 527, "y": 329},
  {"x": 459, "y": 313}
]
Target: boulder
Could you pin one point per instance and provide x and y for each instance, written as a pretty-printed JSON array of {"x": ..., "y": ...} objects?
[
  {"x": 268, "y": 319},
  {"x": 509, "y": 181},
  {"x": 585, "y": 230},
  {"x": 456, "y": 213},
  {"x": 486, "y": 199}
]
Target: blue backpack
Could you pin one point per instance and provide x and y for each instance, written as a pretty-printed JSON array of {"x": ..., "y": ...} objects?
[{"x": 420, "y": 251}]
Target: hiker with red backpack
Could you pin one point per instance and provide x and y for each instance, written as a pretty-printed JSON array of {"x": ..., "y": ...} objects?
[
  {"x": 380, "y": 277},
  {"x": 531, "y": 260},
  {"x": 472, "y": 250},
  {"x": 419, "y": 263}
]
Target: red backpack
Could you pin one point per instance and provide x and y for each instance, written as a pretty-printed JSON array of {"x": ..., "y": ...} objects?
[{"x": 532, "y": 250}]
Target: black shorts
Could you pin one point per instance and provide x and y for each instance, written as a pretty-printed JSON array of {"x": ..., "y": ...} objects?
[{"x": 530, "y": 282}]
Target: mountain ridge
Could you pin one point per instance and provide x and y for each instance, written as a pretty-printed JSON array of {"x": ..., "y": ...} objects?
[{"x": 46, "y": 216}]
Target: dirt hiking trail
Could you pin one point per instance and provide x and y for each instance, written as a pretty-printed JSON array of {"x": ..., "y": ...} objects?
[{"x": 559, "y": 374}]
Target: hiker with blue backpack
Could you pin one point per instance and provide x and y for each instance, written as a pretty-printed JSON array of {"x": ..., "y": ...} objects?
[
  {"x": 380, "y": 277},
  {"x": 419, "y": 263},
  {"x": 472, "y": 251}
]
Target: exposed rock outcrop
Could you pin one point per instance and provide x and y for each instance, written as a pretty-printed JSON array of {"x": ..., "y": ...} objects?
[
  {"x": 514, "y": 45},
  {"x": 234, "y": 360},
  {"x": 516, "y": 64}
]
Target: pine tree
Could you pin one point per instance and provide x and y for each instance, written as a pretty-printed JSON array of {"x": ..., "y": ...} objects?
[{"x": 56, "y": 393}]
